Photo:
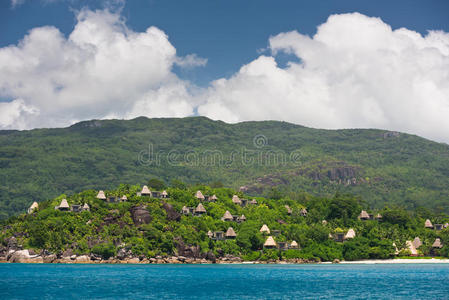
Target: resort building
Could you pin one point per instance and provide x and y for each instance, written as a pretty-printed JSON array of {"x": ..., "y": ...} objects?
[
  {"x": 236, "y": 200},
  {"x": 86, "y": 207},
  {"x": 364, "y": 215},
  {"x": 124, "y": 198},
  {"x": 264, "y": 229},
  {"x": 270, "y": 243},
  {"x": 303, "y": 212},
  {"x": 101, "y": 195},
  {"x": 294, "y": 245},
  {"x": 411, "y": 248},
  {"x": 230, "y": 233},
  {"x": 213, "y": 198},
  {"x": 253, "y": 202},
  {"x": 428, "y": 224},
  {"x": 199, "y": 196},
  {"x": 438, "y": 227},
  {"x": 227, "y": 216},
  {"x": 200, "y": 210},
  {"x": 350, "y": 234},
  {"x": 417, "y": 242},
  {"x": 63, "y": 206},
  {"x": 33, "y": 207},
  {"x": 289, "y": 210},
  {"x": 437, "y": 244},
  {"x": 145, "y": 191},
  {"x": 164, "y": 194}
]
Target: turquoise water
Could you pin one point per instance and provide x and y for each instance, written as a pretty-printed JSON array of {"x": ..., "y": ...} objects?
[{"x": 52, "y": 281}]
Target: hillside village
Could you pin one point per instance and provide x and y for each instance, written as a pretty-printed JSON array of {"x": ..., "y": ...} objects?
[{"x": 134, "y": 224}]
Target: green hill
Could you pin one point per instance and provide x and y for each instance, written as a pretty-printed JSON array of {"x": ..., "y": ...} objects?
[{"x": 265, "y": 158}]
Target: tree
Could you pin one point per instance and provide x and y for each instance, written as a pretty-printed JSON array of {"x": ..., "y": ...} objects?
[{"x": 156, "y": 184}]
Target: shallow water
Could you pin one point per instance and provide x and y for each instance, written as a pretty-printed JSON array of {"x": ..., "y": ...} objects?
[{"x": 58, "y": 281}]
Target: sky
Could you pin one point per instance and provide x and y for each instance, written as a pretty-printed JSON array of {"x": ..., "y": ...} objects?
[{"x": 323, "y": 64}]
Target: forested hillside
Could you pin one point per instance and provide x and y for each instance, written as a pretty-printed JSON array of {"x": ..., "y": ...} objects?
[{"x": 262, "y": 158}]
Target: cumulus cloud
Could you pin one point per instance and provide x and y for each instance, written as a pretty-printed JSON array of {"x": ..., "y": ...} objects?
[
  {"x": 354, "y": 72},
  {"x": 101, "y": 69}
]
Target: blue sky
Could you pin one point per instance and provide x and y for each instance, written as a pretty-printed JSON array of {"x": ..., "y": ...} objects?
[
  {"x": 324, "y": 64},
  {"x": 227, "y": 33}
]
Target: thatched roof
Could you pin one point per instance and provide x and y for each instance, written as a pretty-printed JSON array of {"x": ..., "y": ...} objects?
[
  {"x": 213, "y": 197},
  {"x": 264, "y": 229},
  {"x": 294, "y": 244},
  {"x": 227, "y": 216},
  {"x": 428, "y": 224},
  {"x": 101, "y": 195},
  {"x": 242, "y": 218},
  {"x": 350, "y": 234},
  {"x": 378, "y": 216},
  {"x": 270, "y": 242},
  {"x": 411, "y": 248},
  {"x": 236, "y": 200},
  {"x": 289, "y": 210},
  {"x": 184, "y": 208},
  {"x": 164, "y": 193},
  {"x": 417, "y": 242},
  {"x": 324, "y": 222},
  {"x": 230, "y": 232},
  {"x": 34, "y": 205},
  {"x": 200, "y": 209},
  {"x": 303, "y": 212},
  {"x": 64, "y": 204},
  {"x": 364, "y": 215},
  {"x": 86, "y": 206},
  {"x": 437, "y": 243},
  {"x": 145, "y": 191},
  {"x": 199, "y": 195},
  {"x": 254, "y": 201},
  {"x": 210, "y": 234},
  {"x": 124, "y": 198}
]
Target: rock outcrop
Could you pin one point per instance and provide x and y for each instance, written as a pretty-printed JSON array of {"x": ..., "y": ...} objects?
[{"x": 140, "y": 215}]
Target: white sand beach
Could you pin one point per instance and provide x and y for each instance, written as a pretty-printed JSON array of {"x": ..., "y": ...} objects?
[{"x": 398, "y": 261}]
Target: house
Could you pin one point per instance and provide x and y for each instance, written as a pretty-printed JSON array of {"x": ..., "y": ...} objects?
[
  {"x": 264, "y": 229},
  {"x": 210, "y": 234},
  {"x": 244, "y": 202},
  {"x": 270, "y": 243},
  {"x": 101, "y": 195},
  {"x": 33, "y": 207},
  {"x": 213, "y": 198},
  {"x": 145, "y": 191},
  {"x": 187, "y": 210},
  {"x": 411, "y": 248},
  {"x": 199, "y": 196},
  {"x": 378, "y": 217},
  {"x": 236, "y": 200},
  {"x": 253, "y": 202},
  {"x": 417, "y": 242},
  {"x": 86, "y": 207},
  {"x": 227, "y": 216},
  {"x": 155, "y": 194},
  {"x": 124, "y": 198},
  {"x": 303, "y": 212},
  {"x": 437, "y": 244},
  {"x": 63, "y": 206},
  {"x": 364, "y": 215},
  {"x": 294, "y": 245},
  {"x": 289, "y": 210},
  {"x": 350, "y": 234},
  {"x": 164, "y": 194},
  {"x": 283, "y": 246},
  {"x": 218, "y": 235},
  {"x": 339, "y": 237},
  {"x": 230, "y": 233},
  {"x": 199, "y": 210},
  {"x": 113, "y": 199},
  {"x": 241, "y": 219},
  {"x": 428, "y": 224},
  {"x": 324, "y": 222},
  {"x": 76, "y": 208},
  {"x": 438, "y": 227}
]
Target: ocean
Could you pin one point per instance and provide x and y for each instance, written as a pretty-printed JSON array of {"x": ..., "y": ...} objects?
[{"x": 60, "y": 281}]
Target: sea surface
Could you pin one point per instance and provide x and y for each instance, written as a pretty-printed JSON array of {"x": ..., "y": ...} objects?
[{"x": 59, "y": 281}]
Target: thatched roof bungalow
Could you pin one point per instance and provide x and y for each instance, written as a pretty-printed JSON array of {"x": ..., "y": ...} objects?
[
  {"x": 417, "y": 242},
  {"x": 437, "y": 244},
  {"x": 199, "y": 210},
  {"x": 213, "y": 198},
  {"x": 124, "y": 198},
  {"x": 86, "y": 207},
  {"x": 253, "y": 202},
  {"x": 145, "y": 191},
  {"x": 350, "y": 234},
  {"x": 227, "y": 216},
  {"x": 33, "y": 207},
  {"x": 199, "y": 195},
  {"x": 63, "y": 206},
  {"x": 303, "y": 212},
  {"x": 230, "y": 233},
  {"x": 411, "y": 248},
  {"x": 101, "y": 195},
  {"x": 270, "y": 243},
  {"x": 289, "y": 210},
  {"x": 428, "y": 224},
  {"x": 364, "y": 215},
  {"x": 236, "y": 200},
  {"x": 164, "y": 194},
  {"x": 264, "y": 229},
  {"x": 294, "y": 245}
]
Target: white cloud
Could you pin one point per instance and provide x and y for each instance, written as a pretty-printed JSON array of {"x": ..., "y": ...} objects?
[
  {"x": 354, "y": 72},
  {"x": 101, "y": 69}
]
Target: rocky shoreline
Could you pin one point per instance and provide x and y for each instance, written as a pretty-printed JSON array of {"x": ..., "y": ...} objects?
[{"x": 28, "y": 256}]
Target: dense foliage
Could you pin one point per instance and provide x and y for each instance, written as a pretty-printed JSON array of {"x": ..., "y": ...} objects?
[
  {"x": 382, "y": 167},
  {"x": 110, "y": 227}
]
